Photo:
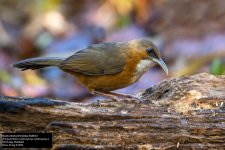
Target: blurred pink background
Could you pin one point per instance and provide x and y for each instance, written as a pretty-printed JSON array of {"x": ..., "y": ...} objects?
[{"x": 190, "y": 35}]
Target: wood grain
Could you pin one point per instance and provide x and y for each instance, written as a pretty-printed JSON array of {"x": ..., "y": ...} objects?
[{"x": 185, "y": 113}]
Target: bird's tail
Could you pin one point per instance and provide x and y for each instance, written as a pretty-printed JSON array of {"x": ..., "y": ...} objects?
[{"x": 37, "y": 63}]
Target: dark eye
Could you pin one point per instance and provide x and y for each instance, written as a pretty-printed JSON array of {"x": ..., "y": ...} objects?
[{"x": 151, "y": 52}]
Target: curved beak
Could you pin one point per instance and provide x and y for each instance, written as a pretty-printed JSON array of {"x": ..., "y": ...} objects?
[{"x": 162, "y": 64}]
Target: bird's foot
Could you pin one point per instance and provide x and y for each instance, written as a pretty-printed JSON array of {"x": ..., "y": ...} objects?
[
  {"x": 126, "y": 97},
  {"x": 118, "y": 96}
]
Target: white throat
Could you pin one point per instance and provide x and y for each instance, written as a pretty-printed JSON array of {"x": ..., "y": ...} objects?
[{"x": 143, "y": 66}]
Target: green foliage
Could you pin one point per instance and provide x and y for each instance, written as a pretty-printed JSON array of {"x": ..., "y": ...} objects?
[
  {"x": 123, "y": 21},
  {"x": 217, "y": 67},
  {"x": 46, "y": 5},
  {"x": 5, "y": 77}
]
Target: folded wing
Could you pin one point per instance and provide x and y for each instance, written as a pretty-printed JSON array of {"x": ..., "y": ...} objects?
[{"x": 98, "y": 59}]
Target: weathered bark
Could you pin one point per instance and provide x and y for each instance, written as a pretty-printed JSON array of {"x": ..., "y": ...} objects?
[{"x": 185, "y": 113}]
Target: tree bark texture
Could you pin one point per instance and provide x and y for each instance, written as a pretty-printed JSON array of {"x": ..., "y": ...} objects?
[{"x": 179, "y": 113}]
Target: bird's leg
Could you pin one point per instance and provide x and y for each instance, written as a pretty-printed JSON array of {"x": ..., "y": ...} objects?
[
  {"x": 121, "y": 95},
  {"x": 104, "y": 94},
  {"x": 115, "y": 96}
]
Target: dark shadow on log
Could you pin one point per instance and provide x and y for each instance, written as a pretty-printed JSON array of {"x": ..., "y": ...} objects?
[{"x": 184, "y": 113}]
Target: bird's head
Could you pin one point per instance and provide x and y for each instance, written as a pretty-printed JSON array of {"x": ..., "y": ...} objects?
[{"x": 152, "y": 53}]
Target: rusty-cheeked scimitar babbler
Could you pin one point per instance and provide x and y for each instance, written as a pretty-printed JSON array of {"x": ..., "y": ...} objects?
[{"x": 105, "y": 67}]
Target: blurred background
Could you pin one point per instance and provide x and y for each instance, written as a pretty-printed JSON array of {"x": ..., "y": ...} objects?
[{"x": 190, "y": 35}]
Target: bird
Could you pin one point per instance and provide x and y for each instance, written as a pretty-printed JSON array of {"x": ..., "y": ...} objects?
[{"x": 105, "y": 67}]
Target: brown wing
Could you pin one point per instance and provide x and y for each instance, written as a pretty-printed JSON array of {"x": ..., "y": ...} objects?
[{"x": 98, "y": 59}]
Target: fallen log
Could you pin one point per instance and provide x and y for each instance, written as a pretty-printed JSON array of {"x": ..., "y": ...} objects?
[{"x": 179, "y": 113}]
